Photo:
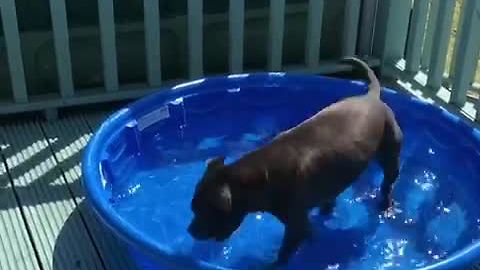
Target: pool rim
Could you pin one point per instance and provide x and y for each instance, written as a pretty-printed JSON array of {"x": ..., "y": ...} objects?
[{"x": 95, "y": 192}]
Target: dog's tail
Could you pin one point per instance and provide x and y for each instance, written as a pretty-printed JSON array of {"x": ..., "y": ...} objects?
[{"x": 374, "y": 86}]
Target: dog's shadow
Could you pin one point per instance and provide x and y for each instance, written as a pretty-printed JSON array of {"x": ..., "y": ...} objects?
[
  {"x": 328, "y": 249},
  {"x": 331, "y": 247}
]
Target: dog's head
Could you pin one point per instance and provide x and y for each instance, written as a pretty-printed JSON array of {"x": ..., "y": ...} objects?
[{"x": 214, "y": 215}]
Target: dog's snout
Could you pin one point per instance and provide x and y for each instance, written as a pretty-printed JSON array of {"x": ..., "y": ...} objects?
[
  {"x": 192, "y": 229},
  {"x": 196, "y": 232}
]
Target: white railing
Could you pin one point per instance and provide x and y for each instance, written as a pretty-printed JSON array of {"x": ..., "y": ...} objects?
[
  {"x": 415, "y": 33},
  {"x": 112, "y": 90},
  {"x": 432, "y": 48}
]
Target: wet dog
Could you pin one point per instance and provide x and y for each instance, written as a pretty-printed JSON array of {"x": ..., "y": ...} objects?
[{"x": 304, "y": 167}]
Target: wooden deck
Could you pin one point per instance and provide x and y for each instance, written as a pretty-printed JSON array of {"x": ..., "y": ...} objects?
[{"x": 44, "y": 221}]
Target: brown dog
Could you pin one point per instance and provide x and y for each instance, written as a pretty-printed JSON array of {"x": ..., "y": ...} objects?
[{"x": 304, "y": 167}]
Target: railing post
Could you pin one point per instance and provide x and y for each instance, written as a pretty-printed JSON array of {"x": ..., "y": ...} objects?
[
  {"x": 236, "y": 29},
  {"x": 14, "y": 51},
  {"x": 431, "y": 25},
  {"x": 108, "y": 42},
  {"x": 151, "y": 12},
  {"x": 195, "y": 38},
  {"x": 416, "y": 36},
  {"x": 391, "y": 31},
  {"x": 275, "y": 32},
  {"x": 466, "y": 53},
  {"x": 314, "y": 33},
  {"x": 62, "y": 47},
  {"x": 440, "y": 40},
  {"x": 351, "y": 18}
]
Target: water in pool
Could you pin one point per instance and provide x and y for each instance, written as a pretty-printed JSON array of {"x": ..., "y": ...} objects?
[{"x": 433, "y": 213}]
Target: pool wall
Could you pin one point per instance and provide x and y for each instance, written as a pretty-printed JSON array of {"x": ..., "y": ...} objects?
[{"x": 168, "y": 107}]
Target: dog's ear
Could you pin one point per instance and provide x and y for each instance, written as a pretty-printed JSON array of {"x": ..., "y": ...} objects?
[
  {"x": 223, "y": 198},
  {"x": 215, "y": 163}
]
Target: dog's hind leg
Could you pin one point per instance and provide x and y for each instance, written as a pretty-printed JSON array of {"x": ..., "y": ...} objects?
[{"x": 389, "y": 158}]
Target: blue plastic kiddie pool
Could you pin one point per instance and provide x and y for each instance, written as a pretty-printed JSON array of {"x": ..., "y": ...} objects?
[{"x": 142, "y": 164}]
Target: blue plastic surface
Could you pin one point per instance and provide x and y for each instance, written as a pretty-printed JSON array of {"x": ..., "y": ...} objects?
[{"x": 141, "y": 167}]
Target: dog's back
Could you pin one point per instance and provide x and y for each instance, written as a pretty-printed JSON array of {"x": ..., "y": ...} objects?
[{"x": 325, "y": 153}]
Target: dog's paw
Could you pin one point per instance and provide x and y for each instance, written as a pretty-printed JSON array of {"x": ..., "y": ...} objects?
[
  {"x": 391, "y": 211},
  {"x": 385, "y": 205},
  {"x": 388, "y": 213}
]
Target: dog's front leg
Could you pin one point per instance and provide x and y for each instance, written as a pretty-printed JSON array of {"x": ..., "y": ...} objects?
[{"x": 297, "y": 229}]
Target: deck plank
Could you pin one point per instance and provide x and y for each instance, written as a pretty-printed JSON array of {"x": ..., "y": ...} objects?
[
  {"x": 58, "y": 233},
  {"x": 68, "y": 137},
  {"x": 16, "y": 249}
]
